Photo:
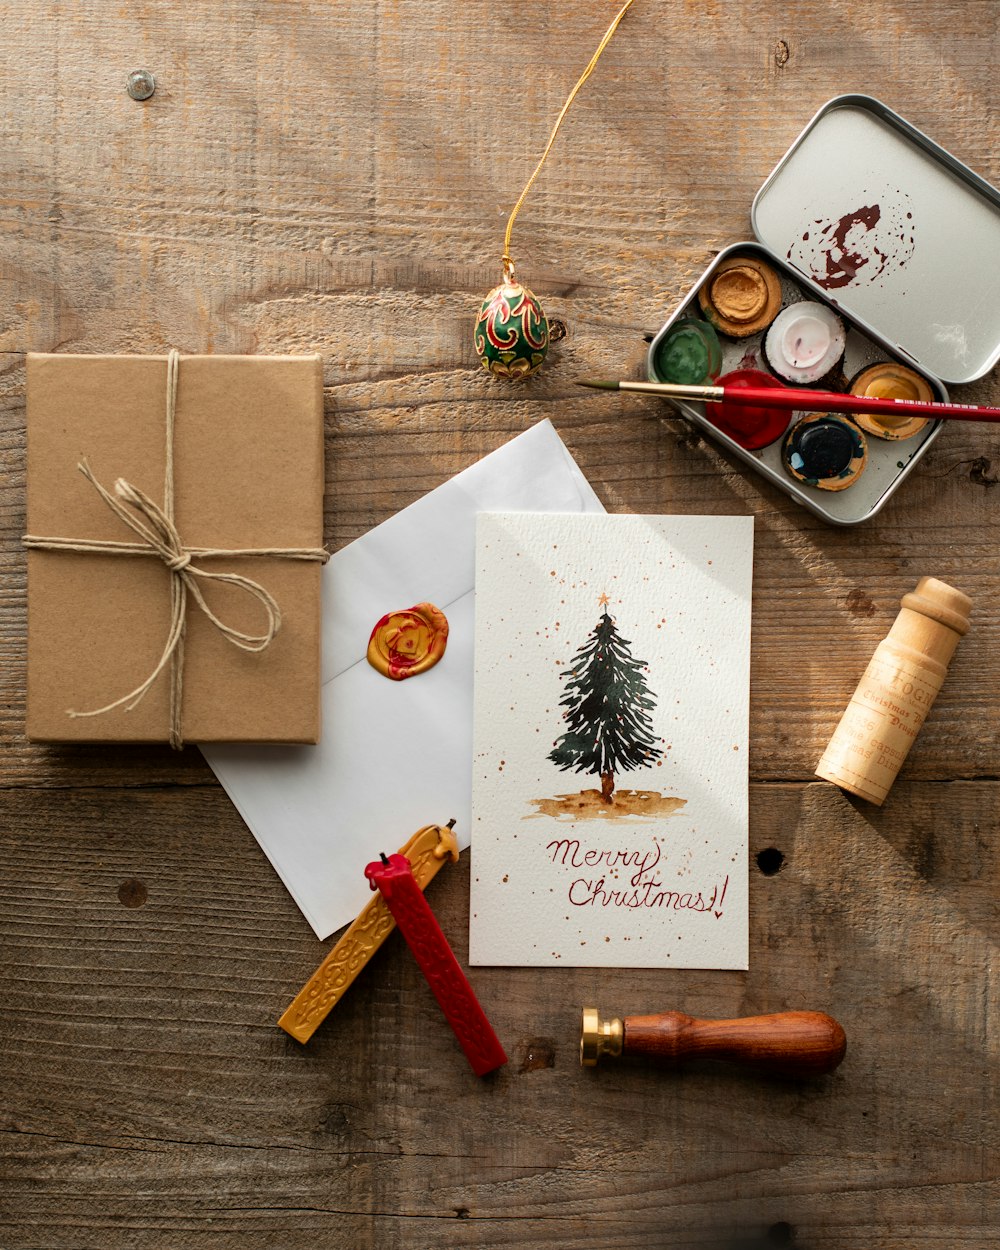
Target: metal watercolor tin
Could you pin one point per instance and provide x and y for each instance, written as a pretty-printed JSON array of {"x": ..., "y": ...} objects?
[
  {"x": 867, "y": 214},
  {"x": 888, "y": 462},
  {"x": 941, "y": 306}
]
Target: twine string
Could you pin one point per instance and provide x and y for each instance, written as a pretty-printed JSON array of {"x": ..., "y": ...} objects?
[
  {"x": 506, "y": 260},
  {"x": 159, "y": 537},
  {"x": 178, "y": 586}
]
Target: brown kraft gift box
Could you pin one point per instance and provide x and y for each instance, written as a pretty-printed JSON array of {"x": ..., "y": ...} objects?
[{"x": 248, "y": 473}]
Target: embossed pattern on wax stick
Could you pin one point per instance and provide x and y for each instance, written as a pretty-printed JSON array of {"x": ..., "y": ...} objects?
[{"x": 427, "y": 850}]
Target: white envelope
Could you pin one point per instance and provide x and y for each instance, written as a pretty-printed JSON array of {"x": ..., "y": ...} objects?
[{"x": 394, "y": 755}]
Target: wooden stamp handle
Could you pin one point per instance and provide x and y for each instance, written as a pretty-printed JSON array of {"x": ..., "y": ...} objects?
[{"x": 794, "y": 1043}]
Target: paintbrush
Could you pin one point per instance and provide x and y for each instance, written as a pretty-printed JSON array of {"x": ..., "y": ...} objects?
[{"x": 787, "y": 397}]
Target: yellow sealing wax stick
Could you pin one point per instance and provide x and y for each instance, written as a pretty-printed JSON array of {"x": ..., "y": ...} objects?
[{"x": 427, "y": 850}]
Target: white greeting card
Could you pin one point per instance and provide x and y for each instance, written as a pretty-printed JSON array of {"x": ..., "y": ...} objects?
[{"x": 610, "y": 758}]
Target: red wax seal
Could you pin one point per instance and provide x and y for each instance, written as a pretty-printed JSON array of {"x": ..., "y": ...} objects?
[{"x": 408, "y": 642}]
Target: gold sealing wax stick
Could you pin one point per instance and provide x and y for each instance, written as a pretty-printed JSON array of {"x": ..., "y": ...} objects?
[{"x": 426, "y": 850}]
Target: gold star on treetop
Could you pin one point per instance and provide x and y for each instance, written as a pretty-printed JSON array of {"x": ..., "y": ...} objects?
[{"x": 603, "y": 600}]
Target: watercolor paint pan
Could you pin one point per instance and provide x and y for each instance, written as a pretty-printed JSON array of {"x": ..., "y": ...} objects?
[
  {"x": 888, "y": 462},
  {"x": 922, "y": 290}
]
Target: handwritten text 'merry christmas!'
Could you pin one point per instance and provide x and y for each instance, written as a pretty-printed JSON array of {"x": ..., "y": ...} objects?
[{"x": 642, "y": 889}]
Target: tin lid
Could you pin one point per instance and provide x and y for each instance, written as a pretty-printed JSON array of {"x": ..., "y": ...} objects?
[{"x": 895, "y": 230}]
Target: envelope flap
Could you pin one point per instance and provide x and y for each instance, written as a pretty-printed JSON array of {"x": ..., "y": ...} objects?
[{"x": 427, "y": 552}]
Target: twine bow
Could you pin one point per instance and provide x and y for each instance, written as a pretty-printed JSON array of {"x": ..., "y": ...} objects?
[{"x": 159, "y": 537}]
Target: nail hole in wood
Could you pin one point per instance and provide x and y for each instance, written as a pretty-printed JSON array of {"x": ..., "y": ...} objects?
[
  {"x": 132, "y": 893},
  {"x": 769, "y": 861}
]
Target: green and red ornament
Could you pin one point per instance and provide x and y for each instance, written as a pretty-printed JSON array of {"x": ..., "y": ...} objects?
[{"x": 512, "y": 332}]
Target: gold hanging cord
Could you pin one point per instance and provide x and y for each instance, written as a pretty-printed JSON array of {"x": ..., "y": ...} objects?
[{"x": 508, "y": 263}]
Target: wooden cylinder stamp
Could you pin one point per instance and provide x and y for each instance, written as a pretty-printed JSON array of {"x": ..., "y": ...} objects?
[{"x": 895, "y": 694}]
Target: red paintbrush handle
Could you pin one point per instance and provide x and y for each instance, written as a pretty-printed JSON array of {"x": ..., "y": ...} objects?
[
  {"x": 830, "y": 401},
  {"x": 415, "y": 920},
  {"x": 797, "y": 399}
]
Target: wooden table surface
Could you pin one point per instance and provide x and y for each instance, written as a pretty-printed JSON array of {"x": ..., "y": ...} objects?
[{"x": 336, "y": 177}]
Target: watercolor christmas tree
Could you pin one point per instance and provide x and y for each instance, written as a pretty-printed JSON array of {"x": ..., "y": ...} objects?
[{"x": 609, "y": 729}]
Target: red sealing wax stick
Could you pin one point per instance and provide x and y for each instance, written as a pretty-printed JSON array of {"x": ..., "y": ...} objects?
[{"x": 393, "y": 877}]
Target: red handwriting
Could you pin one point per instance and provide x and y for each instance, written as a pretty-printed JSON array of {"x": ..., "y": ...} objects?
[
  {"x": 567, "y": 851},
  {"x": 648, "y": 894},
  {"x": 643, "y": 888}
]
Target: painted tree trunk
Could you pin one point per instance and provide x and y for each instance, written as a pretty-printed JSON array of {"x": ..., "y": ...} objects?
[{"x": 607, "y": 786}]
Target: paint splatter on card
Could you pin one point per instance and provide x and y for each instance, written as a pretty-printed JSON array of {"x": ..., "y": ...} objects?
[
  {"x": 861, "y": 247},
  {"x": 612, "y": 652}
]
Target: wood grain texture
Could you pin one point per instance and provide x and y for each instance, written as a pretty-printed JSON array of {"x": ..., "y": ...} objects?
[
  {"x": 150, "y": 1099},
  {"x": 336, "y": 177}
]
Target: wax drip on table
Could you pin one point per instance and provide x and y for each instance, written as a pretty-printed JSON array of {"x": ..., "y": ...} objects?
[{"x": 512, "y": 333}]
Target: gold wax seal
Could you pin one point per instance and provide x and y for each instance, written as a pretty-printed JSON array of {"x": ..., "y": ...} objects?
[
  {"x": 889, "y": 380},
  {"x": 408, "y": 642},
  {"x": 742, "y": 296}
]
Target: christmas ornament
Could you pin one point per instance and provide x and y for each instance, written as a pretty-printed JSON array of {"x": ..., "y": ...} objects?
[{"x": 512, "y": 333}]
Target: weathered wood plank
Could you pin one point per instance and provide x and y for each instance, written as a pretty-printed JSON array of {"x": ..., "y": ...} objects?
[{"x": 148, "y": 1093}]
